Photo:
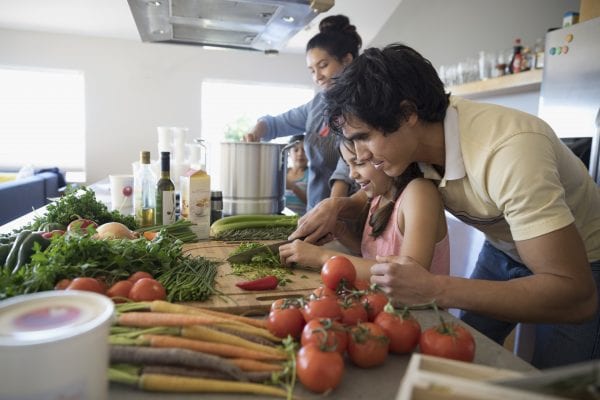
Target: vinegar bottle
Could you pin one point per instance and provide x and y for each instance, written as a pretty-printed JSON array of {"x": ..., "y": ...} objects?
[
  {"x": 516, "y": 63},
  {"x": 144, "y": 191},
  {"x": 165, "y": 192}
]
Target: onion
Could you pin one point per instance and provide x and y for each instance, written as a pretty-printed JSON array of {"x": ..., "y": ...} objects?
[{"x": 114, "y": 230}]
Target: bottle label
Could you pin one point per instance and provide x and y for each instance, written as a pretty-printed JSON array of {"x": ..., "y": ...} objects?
[{"x": 166, "y": 208}]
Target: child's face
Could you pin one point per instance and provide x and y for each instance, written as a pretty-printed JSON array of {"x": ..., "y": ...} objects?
[
  {"x": 374, "y": 182},
  {"x": 298, "y": 156}
]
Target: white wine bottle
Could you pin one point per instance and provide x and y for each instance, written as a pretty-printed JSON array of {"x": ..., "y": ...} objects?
[
  {"x": 165, "y": 192},
  {"x": 144, "y": 192}
]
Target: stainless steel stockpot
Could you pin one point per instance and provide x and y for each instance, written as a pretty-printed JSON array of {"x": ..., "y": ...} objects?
[{"x": 253, "y": 177}]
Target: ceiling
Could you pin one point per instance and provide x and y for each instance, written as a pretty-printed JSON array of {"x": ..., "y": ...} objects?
[{"x": 113, "y": 19}]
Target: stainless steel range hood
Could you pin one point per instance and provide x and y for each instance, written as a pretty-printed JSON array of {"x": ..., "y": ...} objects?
[{"x": 263, "y": 25}]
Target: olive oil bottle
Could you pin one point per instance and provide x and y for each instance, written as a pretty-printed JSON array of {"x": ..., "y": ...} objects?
[
  {"x": 165, "y": 192},
  {"x": 144, "y": 192}
]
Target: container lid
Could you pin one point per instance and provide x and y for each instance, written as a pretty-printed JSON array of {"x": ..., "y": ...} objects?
[{"x": 50, "y": 316}]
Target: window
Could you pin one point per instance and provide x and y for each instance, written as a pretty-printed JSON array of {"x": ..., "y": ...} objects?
[
  {"x": 230, "y": 110},
  {"x": 42, "y": 119}
]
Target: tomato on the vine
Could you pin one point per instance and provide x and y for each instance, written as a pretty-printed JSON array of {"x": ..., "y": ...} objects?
[
  {"x": 402, "y": 328},
  {"x": 319, "y": 370},
  {"x": 119, "y": 291},
  {"x": 87, "y": 284},
  {"x": 147, "y": 289},
  {"x": 374, "y": 302},
  {"x": 284, "y": 321},
  {"x": 338, "y": 270},
  {"x": 368, "y": 345},
  {"x": 327, "y": 334},
  {"x": 448, "y": 340},
  {"x": 322, "y": 307},
  {"x": 353, "y": 311},
  {"x": 323, "y": 291}
]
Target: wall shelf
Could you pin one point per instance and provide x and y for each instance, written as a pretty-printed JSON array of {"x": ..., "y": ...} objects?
[{"x": 508, "y": 84}]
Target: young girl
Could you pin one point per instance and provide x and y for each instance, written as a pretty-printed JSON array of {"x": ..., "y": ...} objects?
[
  {"x": 296, "y": 177},
  {"x": 405, "y": 217}
]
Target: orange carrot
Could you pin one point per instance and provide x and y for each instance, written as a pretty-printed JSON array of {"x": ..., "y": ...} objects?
[
  {"x": 164, "y": 306},
  {"x": 250, "y": 329},
  {"x": 181, "y": 384},
  {"x": 152, "y": 319},
  {"x": 210, "y": 335},
  {"x": 218, "y": 349},
  {"x": 248, "y": 365}
]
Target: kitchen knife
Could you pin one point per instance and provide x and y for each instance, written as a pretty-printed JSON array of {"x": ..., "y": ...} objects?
[{"x": 246, "y": 256}]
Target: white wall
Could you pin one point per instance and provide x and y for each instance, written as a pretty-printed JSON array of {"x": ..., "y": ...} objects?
[
  {"x": 133, "y": 87},
  {"x": 449, "y": 31}
]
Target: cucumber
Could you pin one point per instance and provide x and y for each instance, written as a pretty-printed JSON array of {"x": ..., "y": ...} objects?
[
  {"x": 4, "y": 250},
  {"x": 11, "y": 259},
  {"x": 26, "y": 250}
]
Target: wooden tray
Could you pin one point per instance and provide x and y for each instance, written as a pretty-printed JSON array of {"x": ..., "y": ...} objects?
[{"x": 238, "y": 301}]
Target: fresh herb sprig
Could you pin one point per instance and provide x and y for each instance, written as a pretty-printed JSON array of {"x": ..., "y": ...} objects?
[{"x": 80, "y": 203}]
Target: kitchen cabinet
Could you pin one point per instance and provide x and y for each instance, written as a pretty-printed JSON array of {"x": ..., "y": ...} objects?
[{"x": 503, "y": 85}]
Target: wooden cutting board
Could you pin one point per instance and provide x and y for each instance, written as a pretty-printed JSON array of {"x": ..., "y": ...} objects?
[{"x": 238, "y": 301}]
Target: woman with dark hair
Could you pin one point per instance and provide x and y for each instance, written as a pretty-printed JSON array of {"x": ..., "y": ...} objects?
[
  {"x": 327, "y": 53},
  {"x": 500, "y": 170},
  {"x": 403, "y": 217}
]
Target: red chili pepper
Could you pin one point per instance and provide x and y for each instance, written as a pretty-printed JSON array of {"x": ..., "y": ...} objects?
[{"x": 266, "y": 283}]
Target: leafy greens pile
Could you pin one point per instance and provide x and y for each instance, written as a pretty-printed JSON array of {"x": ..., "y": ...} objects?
[{"x": 185, "y": 278}]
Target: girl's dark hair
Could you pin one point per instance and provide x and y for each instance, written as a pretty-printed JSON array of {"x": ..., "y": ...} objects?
[
  {"x": 383, "y": 88},
  {"x": 380, "y": 218},
  {"x": 337, "y": 37},
  {"x": 296, "y": 137}
]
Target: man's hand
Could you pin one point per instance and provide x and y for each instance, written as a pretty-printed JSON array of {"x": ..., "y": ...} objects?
[
  {"x": 318, "y": 223},
  {"x": 403, "y": 280}
]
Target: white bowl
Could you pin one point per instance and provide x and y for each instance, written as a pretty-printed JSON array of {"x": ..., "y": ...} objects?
[{"x": 55, "y": 345}]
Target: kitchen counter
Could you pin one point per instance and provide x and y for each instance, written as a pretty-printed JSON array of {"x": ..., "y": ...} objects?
[{"x": 382, "y": 382}]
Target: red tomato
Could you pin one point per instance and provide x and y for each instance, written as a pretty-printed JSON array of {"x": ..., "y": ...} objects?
[
  {"x": 327, "y": 334},
  {"x": 286, "y": 303},
  {"x": 318, "y": 370},
  {"x": 136, "y": 276},
  {"x": 51, "y": 234},
  {"x": 448, "y": 340},
  {"x": 323, "y": 307},
  {"x": 323, "y": 291},
  {"x": 402, "y": 329},
  {"x": 87, "y": 284},
  {"x": 147, "y": 289},
  {"x": 353, "y": 311},
  {"x": 80, "y": 225},
  {"x": 368, "y": 345},
  {"x": 119, "y": 291},
  {"x": 282, "y": 322},
  {"x": 374, "y": 303},
  {"x": 360, "y": 284},
  {"x": 338, "y": 270},
  {"x": 62, "y": 284}
]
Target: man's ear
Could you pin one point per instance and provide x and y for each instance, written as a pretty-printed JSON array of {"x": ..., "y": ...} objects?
[{"x": 408, "y": 108}]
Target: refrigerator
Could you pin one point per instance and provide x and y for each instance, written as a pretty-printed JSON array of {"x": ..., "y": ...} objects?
[{"x": 570, "y": 91}]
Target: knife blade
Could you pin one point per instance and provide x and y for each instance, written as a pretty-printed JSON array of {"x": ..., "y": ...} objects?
[{"x": 246, "y": 256}]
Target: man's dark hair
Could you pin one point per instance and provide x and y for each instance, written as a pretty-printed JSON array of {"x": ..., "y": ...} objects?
[{"x": 383, "y": 88}]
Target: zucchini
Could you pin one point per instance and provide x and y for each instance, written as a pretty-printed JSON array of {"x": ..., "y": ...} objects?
[
  {"x": 11, "y": 259},
  {"x": 249, "y": 227}
]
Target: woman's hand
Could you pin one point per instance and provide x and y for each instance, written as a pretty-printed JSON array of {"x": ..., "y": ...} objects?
[
  {"x": 404, "y": 280},
  {"x": 250, "y": 137},
  {"x": 302, "y": 253}
]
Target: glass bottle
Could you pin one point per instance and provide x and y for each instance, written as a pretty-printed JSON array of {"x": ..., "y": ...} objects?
[
  {"x": 516, "y": 63},
  {"x": 144, "y": 192},
  {"x": 165, "y": 192}
]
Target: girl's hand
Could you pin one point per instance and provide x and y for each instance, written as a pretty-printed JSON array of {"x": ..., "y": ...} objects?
[{"x": 302, "y": 253}]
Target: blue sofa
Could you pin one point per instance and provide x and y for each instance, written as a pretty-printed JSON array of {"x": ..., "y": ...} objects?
[{"x": 21, "y": 196}]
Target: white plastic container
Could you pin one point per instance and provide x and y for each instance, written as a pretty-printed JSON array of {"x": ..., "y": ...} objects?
[{"x": 54, "y": 345}]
